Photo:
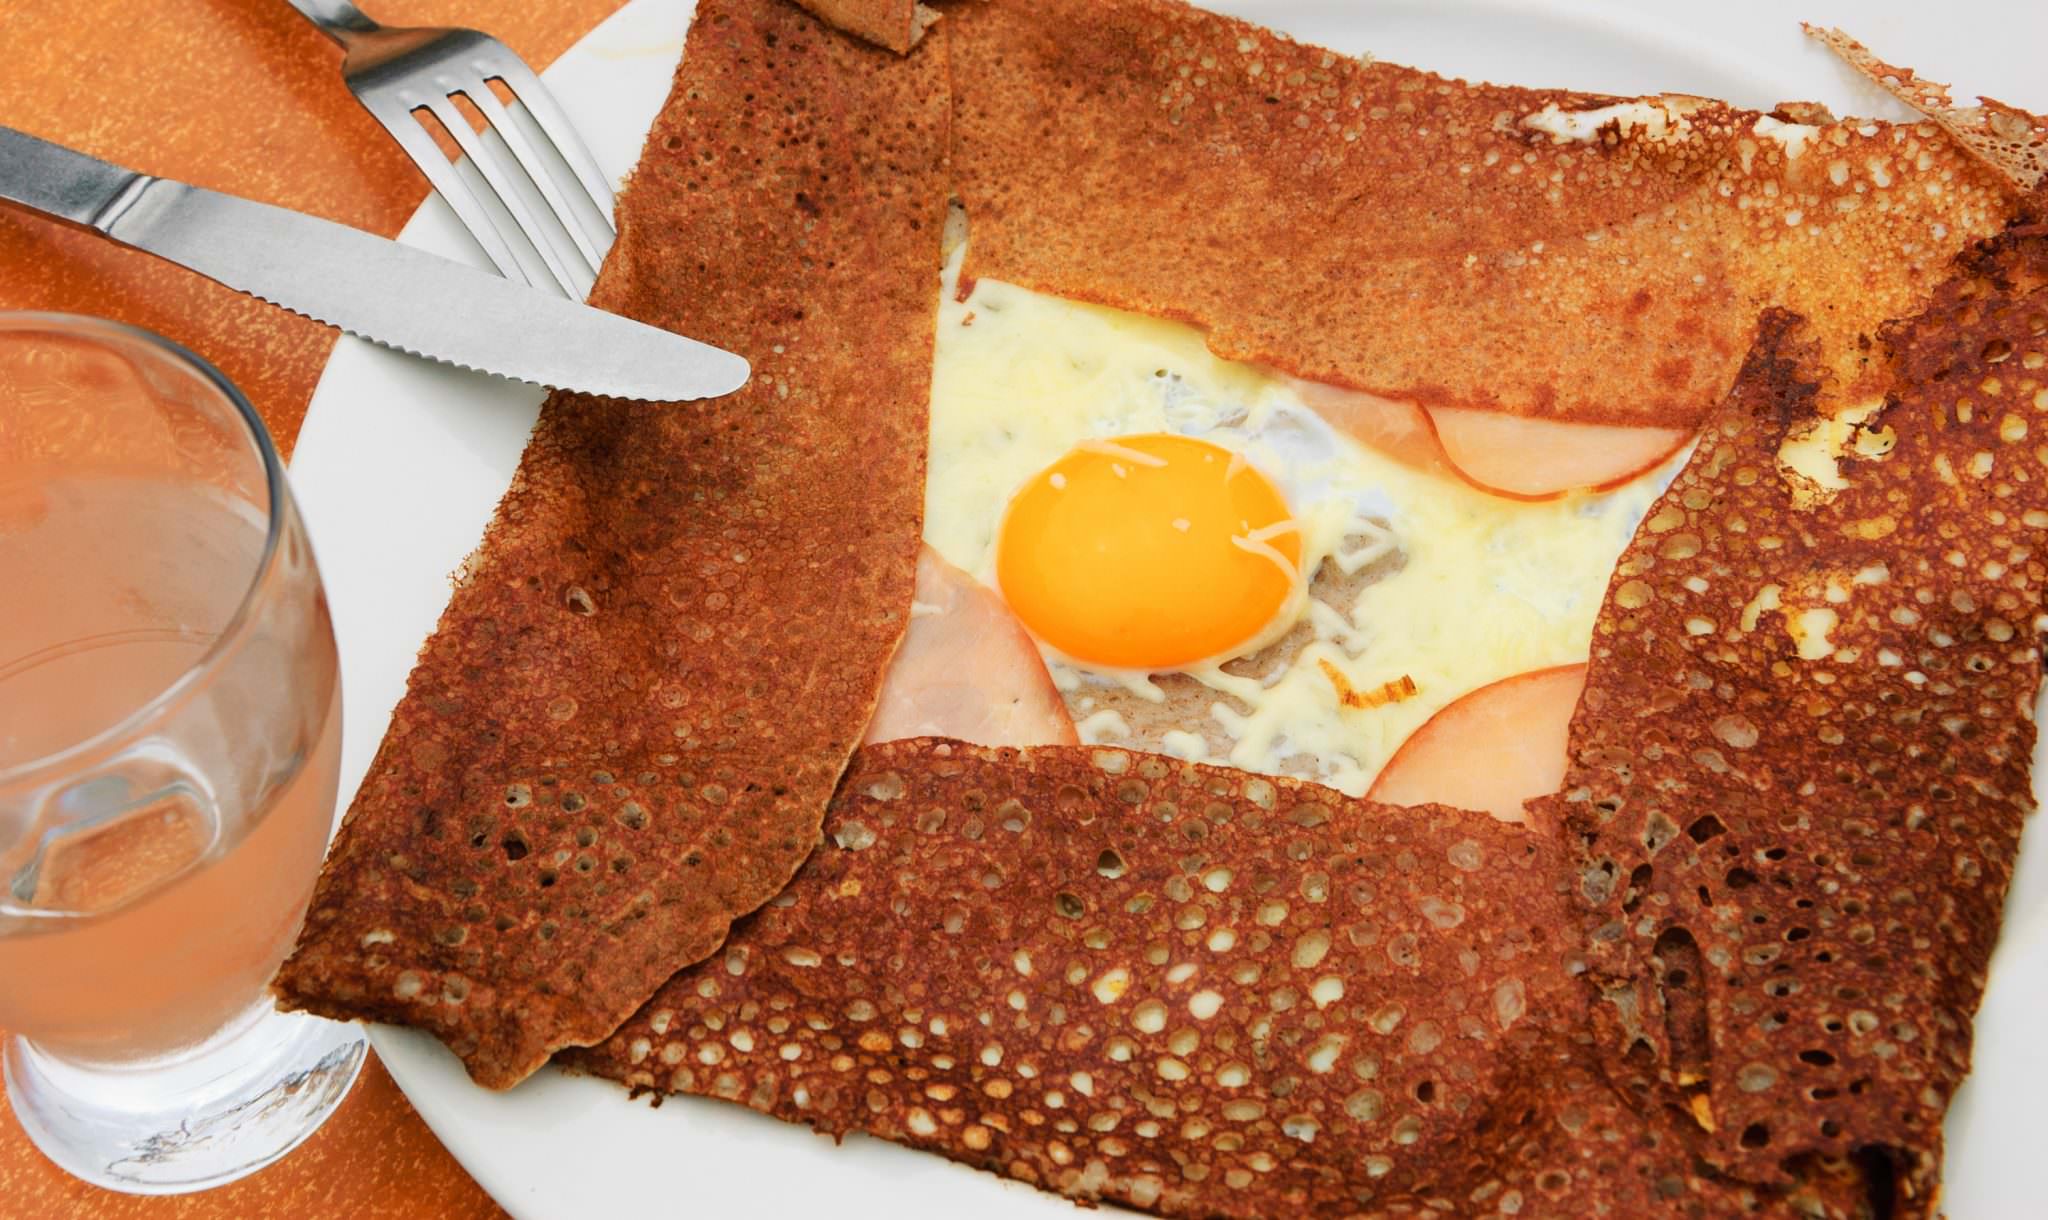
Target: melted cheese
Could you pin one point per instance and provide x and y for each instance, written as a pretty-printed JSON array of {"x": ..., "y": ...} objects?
[
  {"x": 1816, "y": 450},
  {"x": 1658, "y": 118},
  {"x": 1793, "y": 137}
]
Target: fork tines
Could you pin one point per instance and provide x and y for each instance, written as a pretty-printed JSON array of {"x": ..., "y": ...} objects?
[{"x": 524, "y": 185}]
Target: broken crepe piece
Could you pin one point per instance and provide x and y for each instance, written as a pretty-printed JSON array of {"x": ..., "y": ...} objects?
[
  {"x": 626, "y": 728},
  {"x": 1561, "y": 255},
  {"x": 1178, "y": 987},
  {"x": 1800, "y": 769},
  {"x": 2011, "y": 141},
  {"x": 894, "y": 24}
]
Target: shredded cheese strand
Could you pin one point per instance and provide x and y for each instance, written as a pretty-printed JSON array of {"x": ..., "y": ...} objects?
[{"x": 1112, "y": 449}]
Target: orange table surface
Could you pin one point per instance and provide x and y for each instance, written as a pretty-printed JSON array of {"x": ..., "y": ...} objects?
[{"x": 243, "y": 96}]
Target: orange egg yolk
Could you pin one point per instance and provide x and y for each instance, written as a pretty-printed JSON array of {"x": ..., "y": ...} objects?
[{"x": 1148, "y": 552}]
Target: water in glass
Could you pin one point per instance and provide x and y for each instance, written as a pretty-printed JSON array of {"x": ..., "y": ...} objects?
[{"x": 169, "y": 736}]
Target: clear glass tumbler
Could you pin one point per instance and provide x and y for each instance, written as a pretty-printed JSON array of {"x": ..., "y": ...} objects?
[{"x": 170, "y": 720}]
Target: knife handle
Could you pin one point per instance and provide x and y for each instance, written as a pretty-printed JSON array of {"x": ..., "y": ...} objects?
[{"x": 56, "y": 181}]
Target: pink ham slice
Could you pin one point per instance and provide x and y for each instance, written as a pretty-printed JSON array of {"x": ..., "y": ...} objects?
[
  {"x": 968, "y": 670},
  {"x": 1536, "y": 459},
  {"x": 1493, "y": 749},
  {"x": 1508, "y": 455},
  {"x": 1401, "y": 430}
]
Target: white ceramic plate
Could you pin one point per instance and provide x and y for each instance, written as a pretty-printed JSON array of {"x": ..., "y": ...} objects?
[{"x": 400, "y": 463}]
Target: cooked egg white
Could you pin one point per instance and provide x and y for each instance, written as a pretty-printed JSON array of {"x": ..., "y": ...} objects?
[{"x": 1490, "y": 587}]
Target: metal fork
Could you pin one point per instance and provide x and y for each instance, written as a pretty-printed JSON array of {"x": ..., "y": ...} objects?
[{"x": 526, "y": 187}]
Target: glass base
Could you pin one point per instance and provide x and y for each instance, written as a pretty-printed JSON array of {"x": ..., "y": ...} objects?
[{"x": 217, "y": 1112}]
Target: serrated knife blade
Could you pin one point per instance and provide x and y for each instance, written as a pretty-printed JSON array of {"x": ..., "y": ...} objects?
[{"x": 376, "y": 289}]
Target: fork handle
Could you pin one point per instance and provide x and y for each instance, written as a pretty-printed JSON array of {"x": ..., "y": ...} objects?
[{"x": 338, "y": 19}]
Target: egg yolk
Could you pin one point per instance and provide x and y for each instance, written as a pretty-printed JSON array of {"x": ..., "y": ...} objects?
[{"x": 1148, "y": 552}]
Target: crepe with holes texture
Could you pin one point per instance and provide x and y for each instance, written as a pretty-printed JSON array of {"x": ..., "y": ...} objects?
[
  {"x": 1800, "y": 768},
  {"x": 1176, "y": 986},
  {"x": 1192, "y": 990},
  {"x": 1186, "y": 988},
  {"x": 1546, "y": 253},
  {"x": 626, "y": 728}
]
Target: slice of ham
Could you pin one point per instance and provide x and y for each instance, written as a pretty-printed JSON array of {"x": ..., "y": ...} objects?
[
  {"x": 1536, "y": 459},
  {"x": 1401, "y": 430},
  {"x": 967, "y": 669},
  {"x": 1508, "y": 455},
  {"x": 1491, "y": 750}
]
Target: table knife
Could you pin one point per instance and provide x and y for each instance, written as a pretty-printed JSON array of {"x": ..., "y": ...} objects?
[{"x": 376, "y": 289}]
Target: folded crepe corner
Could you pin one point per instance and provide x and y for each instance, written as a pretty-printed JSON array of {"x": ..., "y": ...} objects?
[
  {"x": 626, "y": 727},
  {"x": 1794, "y": 859},
  {"x": 896, "y": 25},
  {"x": 1542, "y": 253}
]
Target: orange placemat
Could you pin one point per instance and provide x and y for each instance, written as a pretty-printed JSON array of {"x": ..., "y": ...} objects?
[{"x": 243, "y": 96}]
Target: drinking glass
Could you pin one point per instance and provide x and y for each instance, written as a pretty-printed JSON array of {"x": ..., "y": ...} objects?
[{"x": 169, "y": 736}]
